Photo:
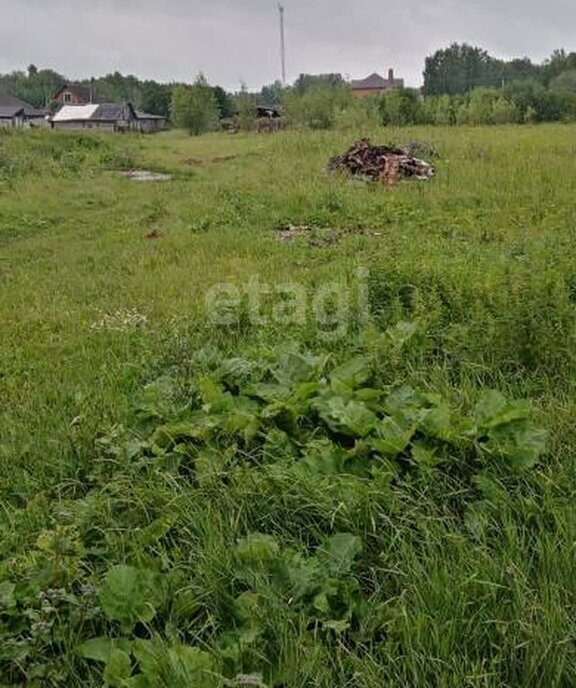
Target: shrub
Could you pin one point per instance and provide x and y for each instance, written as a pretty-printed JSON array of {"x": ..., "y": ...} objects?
[
  {"x": 194, "y": 108},
  {"x": 401, "y": 108},
  {"x": 317, "y": 108}
]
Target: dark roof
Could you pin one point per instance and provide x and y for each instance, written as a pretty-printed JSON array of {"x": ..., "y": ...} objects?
[
  {"x": 147, "y": 115},
  {"x": 376, "y": 81},
  {"x": 84, "y": 93},
  {"x": 112, "y": 112},
  {"x": 11, "y": 106},
  {"x": 268, "y": 111}
]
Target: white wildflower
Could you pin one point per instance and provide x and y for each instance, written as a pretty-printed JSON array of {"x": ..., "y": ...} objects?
[{"x": 122, "y": 320}]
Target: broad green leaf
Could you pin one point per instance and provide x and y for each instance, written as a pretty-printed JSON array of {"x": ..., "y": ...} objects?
[
  {"x": 237, "y": 372},
  {"x": 268, "y": 392},
  {"x": 339, "y": 552},
  {"x": 304, "y": 391},
  {"x": 352, "y": 373},
  {"x": 394, "y": 437},
  {"x": 491, "y": 491},
  {"x": 139, "y": 681},
  {"x": 284, "y": 415},
  {"x": 321, "y": 603},
  {"x": 303, "y": 574},
  {"x": 437, "y": 423},
  {"x": 154, "y": 532},
  {"x": 338, "y": 627},
  {"x": 399, "y": 335},
  {"x": 523, "y": 448},
  {"x": 257, "y": 550},
  {"x": 368, "y": 396},
  {"x": 130, "y": 595},
  {"x": 323, "y": 457},
  {"x": 278, "y": 446},
  {"x": 209, "y": 390},
  {"x": 7, "y": 597},
  {"x": 494, "y": 410},
  {"x": 176, "y": 666},
  {"x": 352, "y": 418},
  {"x": 156, "y": 398},
  {"x": 296, "y": 367},
  {"x": 403, "y": 399},
  {"x": 424, "y": 456},
  {"x": 118, "y": 669},
  {"x": 247, "y": 607},
  {"x": 148, "y": 654},
  {"x": 237, "y": 415},
  {"x": 210, "y": 464},
  {"x": 97, "y": 649},
  {"x": 191, "y": 666},
  {"x": 198, "y": 428}
]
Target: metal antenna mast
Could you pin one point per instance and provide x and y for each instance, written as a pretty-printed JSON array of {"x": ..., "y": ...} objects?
[{"x": 282, "y": 42}]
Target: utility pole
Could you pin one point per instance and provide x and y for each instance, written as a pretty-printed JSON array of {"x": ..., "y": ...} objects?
[{"x": 282, "y": 42}]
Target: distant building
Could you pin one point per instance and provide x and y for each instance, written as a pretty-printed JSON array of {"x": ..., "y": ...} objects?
[
  {"x": 106, "y": 117},
  {"x": 97, "y": 116},
  {"x": 17, "y": 113},
  {"x": 148, "y": 124},
  {"x": 376, "y": 85},
  {"x": 75, "y": 94},
  {"x": 112, "y": 117}
]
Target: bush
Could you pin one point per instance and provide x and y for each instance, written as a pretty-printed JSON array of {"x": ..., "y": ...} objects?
[
  {"x": 360, "y": 114},
  {"x": 194, "y": 108},
  {"x": 401, "y": 108},
  {"x": 317, "y": 108},
  {"x": 246, "y": 110}
]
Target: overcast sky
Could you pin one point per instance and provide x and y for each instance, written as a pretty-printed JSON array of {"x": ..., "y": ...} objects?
[{"x": 238, "y": 40}]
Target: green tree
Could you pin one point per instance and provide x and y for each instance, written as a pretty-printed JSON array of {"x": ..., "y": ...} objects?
[
  {"x": 273, "y": 94},
  {"x": 401, "y": 108},
  {"x": 479, "y": 108},
  {"x": 246, "y": 109},
  {"x": 317, "y": 108},
  {"x": 155, "y": 98},
  {"x": 504, "y": 111},
  {"x": 565, "y": 82},
  {"x": 459, "y": 69},
  {"x": 194, "y": 108},
  {"x": 224, "y": 102},
  {"x": 312, "y": 82}
]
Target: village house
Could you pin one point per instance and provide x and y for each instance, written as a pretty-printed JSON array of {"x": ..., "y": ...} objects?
[
  {"x": 17, "y": 113},
  {"x": 376, "y": 85},
  {"x": 148, "y": 124},
  {"x": 98, "y": 116},
  {"x": 113, "y": 117},
  {"x": 75, "y": 94},
  {"x": 81, "y": 108}
]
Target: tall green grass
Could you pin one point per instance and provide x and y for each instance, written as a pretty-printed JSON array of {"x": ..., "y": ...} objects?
[{"x": 459, "y": 584}]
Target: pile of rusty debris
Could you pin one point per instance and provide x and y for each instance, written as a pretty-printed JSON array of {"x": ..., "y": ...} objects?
[{"x": 385, "y": 164}]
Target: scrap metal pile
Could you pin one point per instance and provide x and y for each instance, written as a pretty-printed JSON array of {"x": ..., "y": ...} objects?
[{"x": 385, "y": 164}]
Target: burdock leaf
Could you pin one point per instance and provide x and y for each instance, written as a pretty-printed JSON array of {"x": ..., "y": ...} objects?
[{"x": 130, "y": 595}]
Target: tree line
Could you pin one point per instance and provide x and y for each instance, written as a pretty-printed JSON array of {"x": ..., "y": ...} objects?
[
  {"x": 463, "y": 84},
  {"x": 38, "y": 86}
]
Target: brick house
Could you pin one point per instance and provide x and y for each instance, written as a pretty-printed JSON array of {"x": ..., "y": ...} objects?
[{"x": 376, "y": 85}]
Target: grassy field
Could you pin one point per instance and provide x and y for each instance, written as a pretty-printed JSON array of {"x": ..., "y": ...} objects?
[{"x": 338, "y": 501}]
